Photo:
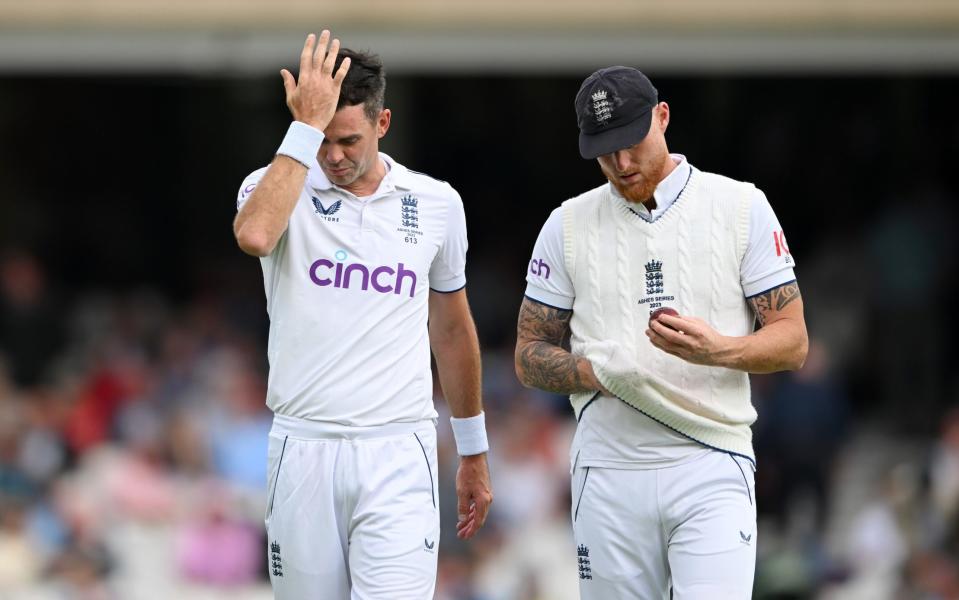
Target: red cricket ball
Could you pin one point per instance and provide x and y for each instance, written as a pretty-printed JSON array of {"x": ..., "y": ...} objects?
[{"x": 662, "y": 311}]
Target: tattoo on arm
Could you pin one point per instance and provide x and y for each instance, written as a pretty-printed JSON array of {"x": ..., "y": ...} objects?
[
  {"x": 541, "y": 333},
  {"x": 774, "y": 300}
]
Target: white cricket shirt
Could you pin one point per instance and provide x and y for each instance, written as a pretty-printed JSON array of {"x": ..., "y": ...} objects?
[
  {"x": 347, "y": 290},
  {"x": 611, "y": 433}
]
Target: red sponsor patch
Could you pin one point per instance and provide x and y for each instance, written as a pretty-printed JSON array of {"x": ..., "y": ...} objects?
[{"x": 779, "y": 238}]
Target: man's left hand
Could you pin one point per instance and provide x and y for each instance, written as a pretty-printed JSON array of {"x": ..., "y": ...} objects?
[
  {"x": 689, "y": 338},
  {"x": 474, "y": 495}
]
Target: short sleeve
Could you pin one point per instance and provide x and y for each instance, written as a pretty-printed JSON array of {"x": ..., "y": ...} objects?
[
  {"x": 547, "y": 280},
  {"x": 247, "y": 187},
  {"x": 448, "y": 271},
  {"x": 767, "y": 263}
]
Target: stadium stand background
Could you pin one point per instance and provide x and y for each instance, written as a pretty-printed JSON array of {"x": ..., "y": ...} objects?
[{"x": 132, "y": 330}]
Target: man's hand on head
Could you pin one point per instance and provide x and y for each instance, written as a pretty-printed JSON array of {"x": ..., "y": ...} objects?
[{"x": 312, "y": 99}]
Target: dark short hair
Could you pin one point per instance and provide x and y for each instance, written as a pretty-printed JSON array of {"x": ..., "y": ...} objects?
[{"x": 365, "y": 82}]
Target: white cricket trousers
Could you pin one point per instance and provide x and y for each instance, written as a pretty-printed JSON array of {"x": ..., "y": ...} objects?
[
  {"x": 690, "y": 528},
  {"x": 352, "y": 512}
]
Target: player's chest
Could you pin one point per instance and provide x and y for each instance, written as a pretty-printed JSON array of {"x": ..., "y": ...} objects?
[{"x": 397, "y": 225}]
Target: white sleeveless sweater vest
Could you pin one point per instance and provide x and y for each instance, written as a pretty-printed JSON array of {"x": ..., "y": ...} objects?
[{"x": 623, "y": 267}]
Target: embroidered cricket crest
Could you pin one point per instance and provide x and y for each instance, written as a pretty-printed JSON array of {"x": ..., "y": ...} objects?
[
  {"x": 410, "y": 212},
  {"x": 410, "y": 219},
  {"x": 582, "y": 557},
  {"x": 326, "y": 213},
  {"x": 602, "y": 109},
  {"x": 276, "y": 563},
  {"x": 654, "y": 277}
]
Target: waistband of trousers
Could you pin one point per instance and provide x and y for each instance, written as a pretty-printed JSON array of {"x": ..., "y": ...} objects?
[{"x": 308, "y": 429}]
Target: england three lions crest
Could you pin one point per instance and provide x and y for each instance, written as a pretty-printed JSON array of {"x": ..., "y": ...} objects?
[
  {"x": 410, "y": 217},
  {"x": 655, "y": 286}
]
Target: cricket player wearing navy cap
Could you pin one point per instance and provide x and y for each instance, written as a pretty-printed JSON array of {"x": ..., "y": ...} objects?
[
  {"x": 662, "y": 460},
  {"x": 358, "y": 253}
]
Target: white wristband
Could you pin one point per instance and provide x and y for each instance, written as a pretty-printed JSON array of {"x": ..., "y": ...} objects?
[
  {"x": 470, "y": 435},
  {"x": 302, "y": 143}
]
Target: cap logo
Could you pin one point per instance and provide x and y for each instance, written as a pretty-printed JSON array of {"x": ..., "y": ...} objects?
[{"x": 602, "y": 109}]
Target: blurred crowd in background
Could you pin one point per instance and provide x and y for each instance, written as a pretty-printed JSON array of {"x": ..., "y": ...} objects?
[
  {"x": 133, "y": 465},
  {"x": 133, "y": 430}
]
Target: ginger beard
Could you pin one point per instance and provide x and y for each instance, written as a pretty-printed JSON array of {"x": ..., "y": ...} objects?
[
  {"x": 638, "y": 191},
  {"x": 636, "y": 171}
]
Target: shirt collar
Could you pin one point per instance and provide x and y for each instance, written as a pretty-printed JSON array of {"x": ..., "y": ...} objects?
[
  {"x": 397, "y": 177},
  {"x": 666, "y": 192}
]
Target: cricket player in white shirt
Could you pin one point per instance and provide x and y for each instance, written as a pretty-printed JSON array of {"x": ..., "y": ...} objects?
[
  {"x": 363, "y": 267},
  {"x": 663, "y": 490}
]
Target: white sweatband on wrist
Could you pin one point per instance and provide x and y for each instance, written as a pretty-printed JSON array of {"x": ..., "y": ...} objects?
[
  {"x": 470, "y": 435},
  {"x": 302, "y": 143}
]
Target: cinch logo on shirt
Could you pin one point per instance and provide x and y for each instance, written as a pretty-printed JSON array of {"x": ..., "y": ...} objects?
[
  {"x": 382, "y": 279},
  {"x": 539, "y": 267}
]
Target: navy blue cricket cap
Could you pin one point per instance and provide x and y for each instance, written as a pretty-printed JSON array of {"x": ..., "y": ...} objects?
[{"x": 614, "y": 108}]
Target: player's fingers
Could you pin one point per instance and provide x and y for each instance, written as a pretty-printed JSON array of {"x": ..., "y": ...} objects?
[
  {"x": 341, "y": 72},
  {"x": 306, "y": 56},
  {"x": 468, "y": 527},
  {"x": 668, "y": 333},
  {"x": 657, "y": 340},
  {"x": 482, "y": 509},
  {"x": 320, "y": 51},
  {"x": 462, "y": 507},
  {"x": 330, "y": 59},
  {"x": 289, "y": 83}
]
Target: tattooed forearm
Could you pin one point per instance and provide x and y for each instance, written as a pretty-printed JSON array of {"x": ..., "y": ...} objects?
[
  {"x": 773, "y": 301},
  {"x": 541, "y": 361}
]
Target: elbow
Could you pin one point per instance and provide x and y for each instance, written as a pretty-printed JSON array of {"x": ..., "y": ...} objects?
[
  {"x": 518, "y": 365},
  {"x": 799, "y": 356},
  {"x": 254, "y": 243}
]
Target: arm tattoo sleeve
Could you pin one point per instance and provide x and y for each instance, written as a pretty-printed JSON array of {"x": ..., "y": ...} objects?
[
  {"x": 773, "y": 301},
  {"x": 542, "y": 332}
]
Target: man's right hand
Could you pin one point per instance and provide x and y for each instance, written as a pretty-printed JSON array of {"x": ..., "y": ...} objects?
[{"x": 312, "y": 99}]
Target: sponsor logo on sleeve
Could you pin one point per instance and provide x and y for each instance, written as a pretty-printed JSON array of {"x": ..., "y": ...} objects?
[
  {"x": 539, "y": 267},
  {"x": 782, "y": 249}
]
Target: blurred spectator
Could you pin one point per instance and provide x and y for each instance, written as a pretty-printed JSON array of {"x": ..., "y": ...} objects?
[
  {"x": 944, "y": 478},
  {"x": 803, "y": 421},
  {"x": 214, "y": 547},
  {"x": 31, "y": 326},
  {"x": 20, "y": 565}
]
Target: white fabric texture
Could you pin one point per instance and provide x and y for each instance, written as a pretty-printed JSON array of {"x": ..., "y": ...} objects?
[
  {"x": 347, "y": 294},
  {"x": 301, "y": 143},
  {"x": 690, "y": 260},
  {"x": 352, "y": 517},
  {"x": 765, "y": 265},
  {"x": 689, "y": 528},
  {"x": 470, "y": 435}
]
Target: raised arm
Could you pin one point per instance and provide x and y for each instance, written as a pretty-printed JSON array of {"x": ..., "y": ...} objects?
[
  {"x": 456, "y": 348},
  {"x": 543, "y": 359},
  {"x": 780, "y": 344},
  {"x": 263, "y": 219}
]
